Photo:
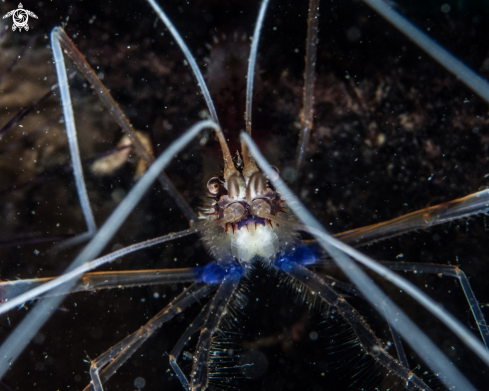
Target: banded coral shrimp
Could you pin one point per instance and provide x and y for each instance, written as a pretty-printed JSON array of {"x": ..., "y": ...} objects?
[{"x": 310, "y": 197}]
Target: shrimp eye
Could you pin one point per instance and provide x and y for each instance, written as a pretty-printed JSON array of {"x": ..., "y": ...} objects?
[{"x": 214, "y": 185}]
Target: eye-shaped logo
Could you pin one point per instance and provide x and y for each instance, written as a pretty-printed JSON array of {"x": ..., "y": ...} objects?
[{"x": 20, "y": 16}]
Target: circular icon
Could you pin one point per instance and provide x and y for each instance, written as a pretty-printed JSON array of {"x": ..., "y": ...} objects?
[{"x": 20, "y": 17}]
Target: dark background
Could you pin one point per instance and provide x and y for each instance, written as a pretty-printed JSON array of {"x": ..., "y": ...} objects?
[{"x": 393, "y": 133}]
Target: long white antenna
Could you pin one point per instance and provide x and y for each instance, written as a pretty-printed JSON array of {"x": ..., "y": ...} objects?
[
  {"x": 72, "y": 142},
  {"x": 251, "y": 65},
  {"x": 471, "y": 79},
  {"x": 189, "y": 57}
]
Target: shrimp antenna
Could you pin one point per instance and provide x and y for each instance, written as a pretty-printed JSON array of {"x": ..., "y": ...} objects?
[
  {"x": 191, "y": 60},
  {"x": 72, "y": 142},
  {"x": 229, "y": 168},
  {"x": 309, "y": 80},
  {"x": 471, "y": 79},
  {"x": 249, "y": 166},
  {"x": 251, "y": 64}
]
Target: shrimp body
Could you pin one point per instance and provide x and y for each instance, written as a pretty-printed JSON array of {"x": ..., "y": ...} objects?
[{"x": 368, "y": 145}]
